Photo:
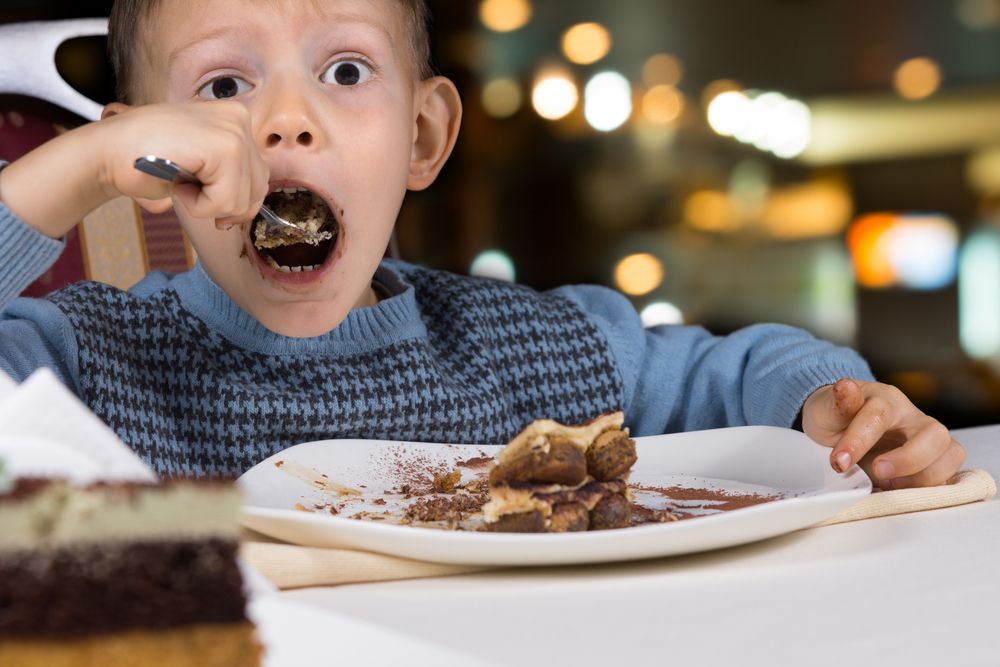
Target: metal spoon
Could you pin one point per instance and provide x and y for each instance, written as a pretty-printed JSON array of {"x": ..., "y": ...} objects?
[{"x": 171, "y": 171}]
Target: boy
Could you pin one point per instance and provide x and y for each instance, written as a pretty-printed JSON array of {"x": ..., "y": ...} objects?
[{"x": 330, "y": 104}]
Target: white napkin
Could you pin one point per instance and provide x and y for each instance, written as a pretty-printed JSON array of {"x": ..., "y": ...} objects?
[{"x": 46, "y": 431}]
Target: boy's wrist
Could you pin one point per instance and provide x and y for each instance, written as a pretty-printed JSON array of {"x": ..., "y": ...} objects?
[{"x": 55, "y": 185}]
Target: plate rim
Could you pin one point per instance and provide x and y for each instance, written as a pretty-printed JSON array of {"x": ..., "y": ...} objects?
[{"x": 351, "y": 533}]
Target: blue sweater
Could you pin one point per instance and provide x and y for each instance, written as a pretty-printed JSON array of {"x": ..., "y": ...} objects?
[{"x": 197, "y": 386}]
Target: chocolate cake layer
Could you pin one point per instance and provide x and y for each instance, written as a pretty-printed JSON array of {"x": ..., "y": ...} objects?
[{"x": 72, "y": 591}]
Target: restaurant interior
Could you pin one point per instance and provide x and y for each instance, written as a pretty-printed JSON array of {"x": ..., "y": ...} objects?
[{"x": 830, "y": 164}]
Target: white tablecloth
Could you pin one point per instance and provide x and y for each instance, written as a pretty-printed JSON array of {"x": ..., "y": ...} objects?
[{"x": 917, "y": 589}]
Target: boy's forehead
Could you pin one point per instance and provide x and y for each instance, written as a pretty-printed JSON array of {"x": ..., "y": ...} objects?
[{"x": 204, "y": 19}]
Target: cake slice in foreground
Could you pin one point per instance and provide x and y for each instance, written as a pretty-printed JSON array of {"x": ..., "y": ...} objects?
[
  {"x": 121, "y": 574},
  {"x": 556, "y": 478}
]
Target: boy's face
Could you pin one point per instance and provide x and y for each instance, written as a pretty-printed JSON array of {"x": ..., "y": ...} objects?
[{"x": 335, "y": 108}]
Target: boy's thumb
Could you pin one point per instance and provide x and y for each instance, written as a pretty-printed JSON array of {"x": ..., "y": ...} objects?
[{"x": 848, "y": 398}]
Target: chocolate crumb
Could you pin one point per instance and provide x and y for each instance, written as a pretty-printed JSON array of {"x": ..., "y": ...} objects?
[{"x": 446, "y": 482}]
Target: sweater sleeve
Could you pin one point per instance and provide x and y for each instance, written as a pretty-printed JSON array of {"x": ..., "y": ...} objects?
[
  {"x": 33, "y": 332},
  {"x": 682, "y": 378}
]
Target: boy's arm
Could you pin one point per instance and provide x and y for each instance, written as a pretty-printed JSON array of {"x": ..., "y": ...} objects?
[
  {"x": 47, "y": 192},
  {"x": 33, "y": 332},
  {"x": 54, "y": 186},
  {"x": 682, "y": 378}
]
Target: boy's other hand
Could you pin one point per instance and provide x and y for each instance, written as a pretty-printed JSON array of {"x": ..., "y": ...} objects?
[
  {"x": 876, "y": 426},
  {"x": 213, "y": 141}
]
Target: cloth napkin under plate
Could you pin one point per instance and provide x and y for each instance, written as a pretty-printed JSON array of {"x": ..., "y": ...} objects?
[
  {"x": 968, "y": 486},
  {"x": 291, "y": 566}
]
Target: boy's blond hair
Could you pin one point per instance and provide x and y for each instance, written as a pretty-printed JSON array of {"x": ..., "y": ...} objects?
[{"x": 125, "y": 39}]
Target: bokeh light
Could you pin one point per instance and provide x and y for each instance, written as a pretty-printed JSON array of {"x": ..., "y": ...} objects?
[
  {"x": 979, "y": 295},
  {"x": 923, "y": 250},
  {"x": 729, "y": 113},
  {"x": 868, "y": 241},
  {"x": 586, "y": 43},
  {"x": 919, "y": 252},
  {"x": 767, "y": 120},
  {"x": 662, "y": 104},
  {"x": 662, "y": 69},
  {"x": 502, "y": 97},
  {"x": 607, "y": 101},
  {"x": 711, "y": 211},
  {"x": 978, "y": 14},
  {"x": 554, "y": 96},
  {"x": 917, "y": 78},
  {"x": 505, "y": 15},
  {"x": 494, "y": 264},
  {"x": 639, "y": 274},
  {"x": 716, "y": 88},
  {"x": 659, "y": 313}
]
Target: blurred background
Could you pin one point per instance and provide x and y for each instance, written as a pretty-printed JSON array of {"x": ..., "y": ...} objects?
[{"x": 831, "y": 164}]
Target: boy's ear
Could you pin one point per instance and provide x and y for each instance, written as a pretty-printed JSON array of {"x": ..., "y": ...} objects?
[
  {"x": 438, "y": 117},
  {"x": 154, "y": 206},
  {"x": 114, "y": 109}
]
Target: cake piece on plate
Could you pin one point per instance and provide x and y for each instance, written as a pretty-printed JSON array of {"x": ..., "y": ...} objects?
[
  {"x": 556, "y": 478},
  {"x": 115, "y": 574}
]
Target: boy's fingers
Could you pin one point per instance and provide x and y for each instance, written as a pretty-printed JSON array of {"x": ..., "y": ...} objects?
[
  {"x": 939, "y": 472},
  {"x": 866, "y": 429},
  {"x": 925, "y": 445}
]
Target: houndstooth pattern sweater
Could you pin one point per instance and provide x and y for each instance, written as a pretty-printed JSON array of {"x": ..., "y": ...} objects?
[{"x": 197, "y": 386}]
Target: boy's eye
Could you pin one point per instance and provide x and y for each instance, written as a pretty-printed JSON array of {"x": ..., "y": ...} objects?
[
  {"x": 223, "y": 88},
  {"x": 347, "y": 73}
]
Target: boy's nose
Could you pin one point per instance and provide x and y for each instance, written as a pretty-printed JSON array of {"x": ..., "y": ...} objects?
[
  {"x": 288, "y": 122},
  {"x": 303, "y": 138}
]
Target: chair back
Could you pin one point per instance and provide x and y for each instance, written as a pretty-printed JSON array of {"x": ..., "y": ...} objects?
[{"x": 117, "y": 243}]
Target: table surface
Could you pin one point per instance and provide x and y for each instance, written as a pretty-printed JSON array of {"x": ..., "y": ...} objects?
[{"x": 914, "y": 589}]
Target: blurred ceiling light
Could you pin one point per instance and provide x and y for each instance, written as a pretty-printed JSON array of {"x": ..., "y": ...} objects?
[
  {"x": 662, "y": 69},
  {"x": 662, "y": 104},
  {"x": 586, "y": 43},
  {"x": 729, "y": 113},
  {"x": 767, "y": 120},
  {"x": 914, "y": 251},
  {"x": 978, "y": 14},
  {"x": 607, "y": 101},
  {"x": 659, "y": 313},
  {"x": 554, "y": 96},
  {"x": 494, "y": 264},
  {"x": 639, "y": 274},
  {"x": 716, "y": 88},
  {"x": 711, "y": 211},
  {"x": 807, "y": 211},
  {"x": 502, "y": 98},
  {"x": 505, "y": 15},
  {"x": 979, "y": 295},
  {"x": 917, "y": 78}
]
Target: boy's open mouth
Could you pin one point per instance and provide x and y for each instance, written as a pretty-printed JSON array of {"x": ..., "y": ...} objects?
[{"x": 287, "y": 252}]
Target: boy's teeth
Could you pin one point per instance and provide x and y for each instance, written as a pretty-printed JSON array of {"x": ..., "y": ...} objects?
[{"x": 290, "y": 269}]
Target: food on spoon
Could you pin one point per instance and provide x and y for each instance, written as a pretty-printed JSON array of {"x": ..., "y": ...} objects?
[
  {"x": 557, "y": 478},
  {"x": 305, "y": 210}
]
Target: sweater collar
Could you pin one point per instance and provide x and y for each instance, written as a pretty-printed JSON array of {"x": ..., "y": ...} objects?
[{"x": 363, "y": 330}]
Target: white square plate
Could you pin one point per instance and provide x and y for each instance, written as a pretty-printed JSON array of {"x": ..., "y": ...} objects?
[{"x": 750, "y": 459}]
